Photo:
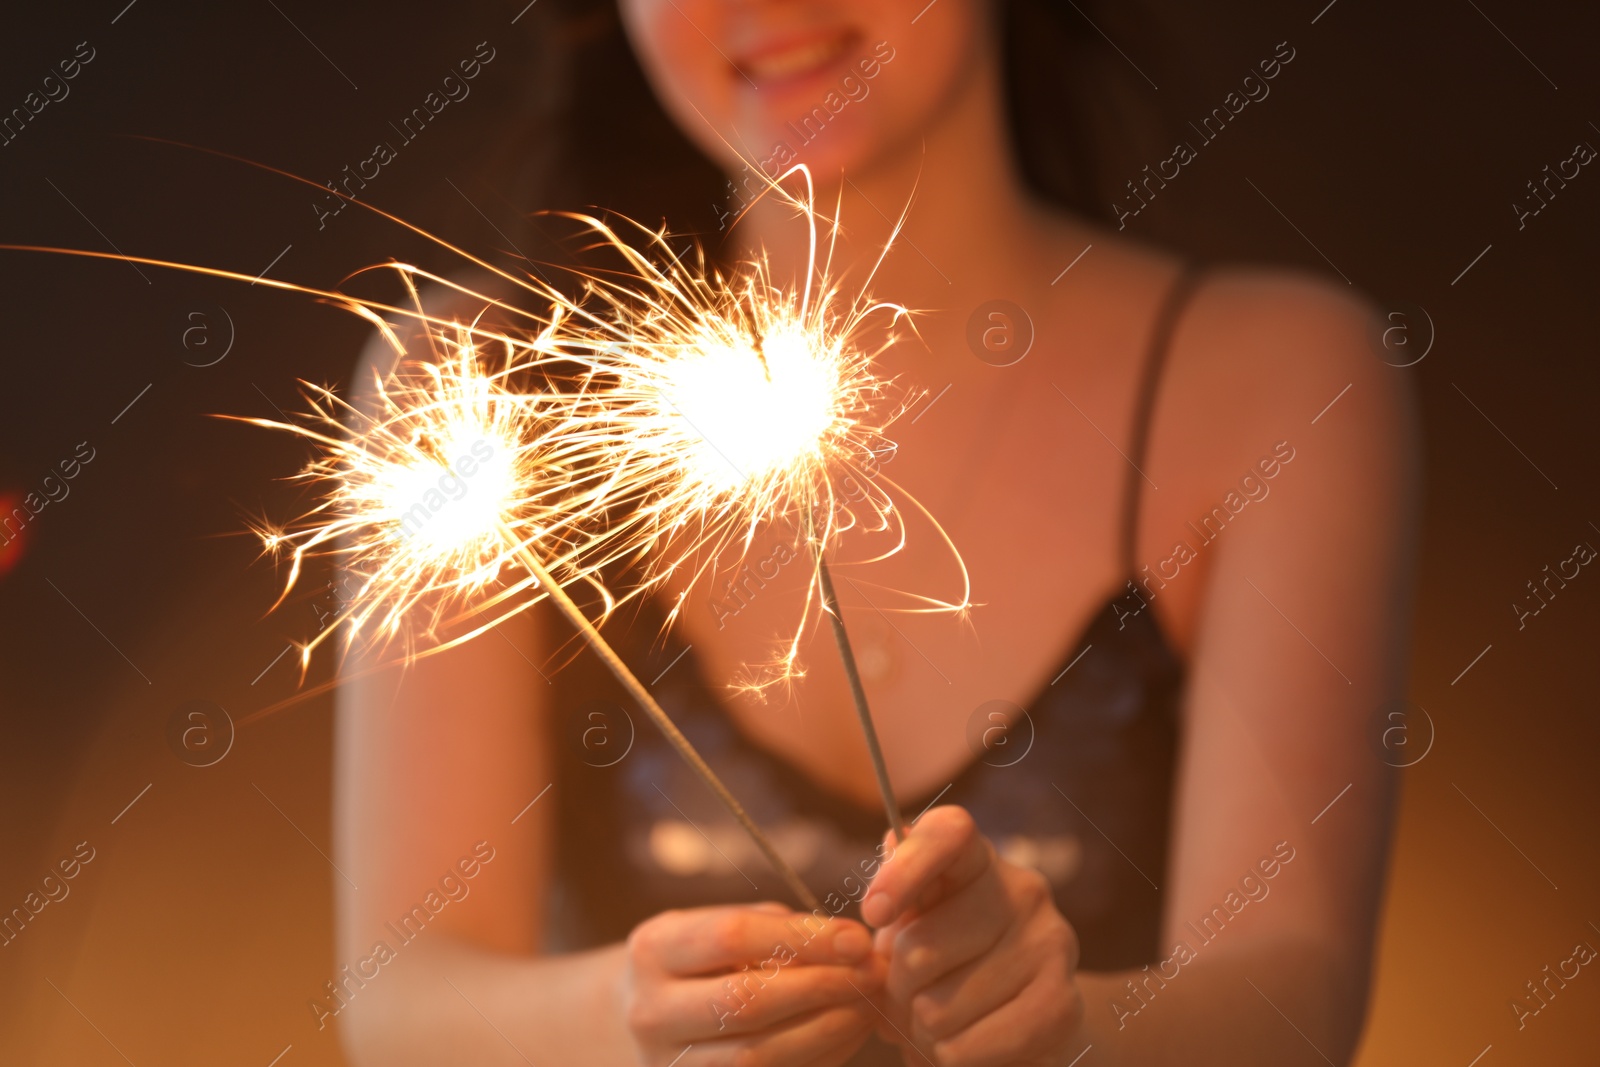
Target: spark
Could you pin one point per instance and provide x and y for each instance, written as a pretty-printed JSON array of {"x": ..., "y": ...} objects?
[
  {"x": 424, "y": 494},
  {"x": 644, "y": 427},
  {"x": 650, "y": 424},
  {"x": 730, "y": 402}
]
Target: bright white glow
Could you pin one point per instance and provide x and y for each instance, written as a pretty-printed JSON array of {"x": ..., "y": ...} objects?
[
  {"x": 751, "y": 413},
  {"x": 452, "y": 504}
]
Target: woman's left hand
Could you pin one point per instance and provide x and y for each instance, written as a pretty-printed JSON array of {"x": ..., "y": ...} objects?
[{"x": 981, "y": 964}]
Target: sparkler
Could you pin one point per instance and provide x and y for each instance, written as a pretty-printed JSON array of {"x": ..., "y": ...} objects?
[
  {"x": 743, "y": 402},
  {"x": 456, "y": 474},
  {"x": 421, "y": 560},
  {"x": 675, "y": 411}
]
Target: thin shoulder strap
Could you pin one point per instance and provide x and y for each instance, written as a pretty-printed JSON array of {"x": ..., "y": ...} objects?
[{"x": 1166, "y": 324}]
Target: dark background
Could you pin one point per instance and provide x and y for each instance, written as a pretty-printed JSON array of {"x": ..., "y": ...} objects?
[{"x": 1396, "y": 141}]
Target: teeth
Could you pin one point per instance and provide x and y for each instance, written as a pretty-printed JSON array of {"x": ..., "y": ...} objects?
[{"x": 792, "y": 61}]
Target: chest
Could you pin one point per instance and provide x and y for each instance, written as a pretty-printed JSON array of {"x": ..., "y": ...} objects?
[
  {"x": 1088, "y": 762},
  {"x": 1009, "y": 503}
]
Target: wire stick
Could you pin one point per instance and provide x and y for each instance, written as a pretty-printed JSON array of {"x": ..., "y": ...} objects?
[
  {"x": 642, "y": 696},
  {"x": 847, "y": 655}
]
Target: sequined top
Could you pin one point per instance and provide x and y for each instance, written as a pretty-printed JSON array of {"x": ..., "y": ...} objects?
[{"x": 1079, "y": 786}]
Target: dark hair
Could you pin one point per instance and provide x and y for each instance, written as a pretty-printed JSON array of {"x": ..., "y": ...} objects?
[
  {"x": 1078, "y": 112},
  {"x": 588, "y": 131},
  {"x": 585, "y": 129}
]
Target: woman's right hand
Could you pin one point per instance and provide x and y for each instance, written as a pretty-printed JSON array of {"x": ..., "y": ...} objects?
[{"x": 756, "y": 985}]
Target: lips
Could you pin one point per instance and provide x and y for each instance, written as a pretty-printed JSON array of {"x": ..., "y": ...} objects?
[{"x": 795, "y": 58}]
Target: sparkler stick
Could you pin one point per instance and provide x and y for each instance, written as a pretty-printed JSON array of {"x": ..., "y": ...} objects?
[
  {"x": 858, "y": 695},
  {"x": 642, "y": 697}
]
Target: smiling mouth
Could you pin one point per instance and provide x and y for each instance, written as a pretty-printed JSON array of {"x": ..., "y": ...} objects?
[{"x": 798, "y": 60}]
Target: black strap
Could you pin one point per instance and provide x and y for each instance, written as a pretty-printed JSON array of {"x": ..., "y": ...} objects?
[{"x": 1166, "y": 323}]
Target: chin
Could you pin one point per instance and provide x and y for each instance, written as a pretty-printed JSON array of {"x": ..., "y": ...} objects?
[
  {"x": 828, "y": 83},
  {"x": 846, "y": 147},
  {"x": 825, "y": 116}
]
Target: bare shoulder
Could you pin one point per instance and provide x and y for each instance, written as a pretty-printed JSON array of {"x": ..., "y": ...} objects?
[
  {"x": 1264, "y": 355},
  {"x": 1284, "y": 339},
  {"x": 1267, "y": 364}
]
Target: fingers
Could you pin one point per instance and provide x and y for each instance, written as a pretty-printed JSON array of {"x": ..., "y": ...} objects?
[
  {"x": 825, "y": 1038},
  {"x": 750, "y": 973},
  {"x": 933, "y": 943},
  {"x": 749, "y": 1002},
  {"x": 968, "y": 975},
  {"x": 942, "y": 853},
  {"x": 704, "y": 941},
  {"x": 1047, "y": 946},
  {"x": 1038, "y": 1021},
  {"x": 962, "y": 998}
]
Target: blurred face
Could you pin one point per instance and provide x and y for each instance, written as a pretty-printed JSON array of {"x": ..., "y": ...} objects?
[{"x": 836, "y": 84}]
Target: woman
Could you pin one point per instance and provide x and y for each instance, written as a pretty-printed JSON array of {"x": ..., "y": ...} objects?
[{"x": 1192, "y": 596}]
